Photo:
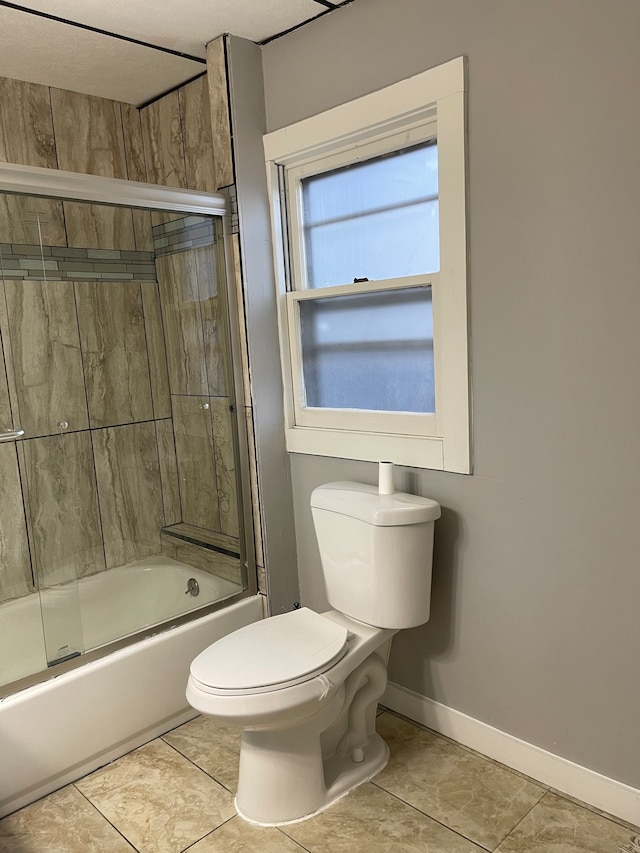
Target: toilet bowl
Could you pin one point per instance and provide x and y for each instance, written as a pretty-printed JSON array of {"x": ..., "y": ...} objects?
[{"x": 304, "y": 686}]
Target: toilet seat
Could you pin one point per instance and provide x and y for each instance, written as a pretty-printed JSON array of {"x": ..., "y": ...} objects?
[{"x": 270, "y": 655}]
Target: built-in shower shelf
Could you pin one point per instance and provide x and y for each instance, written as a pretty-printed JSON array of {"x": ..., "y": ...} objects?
[{"x": 210, "y": 539}]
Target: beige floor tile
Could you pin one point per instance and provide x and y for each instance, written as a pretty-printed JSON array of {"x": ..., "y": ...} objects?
[
  {"x": 560, "y": 826},
  {"x": 63, "y": 822},
  {"x": 634, "y": 829},
  {"x": 213, "y": 747},
  {"x": 157, "y": 799},
  {"x": 369, "y": 820},
  {"x": 469, "y": 794},
  {"x": 238, "y": 836}
]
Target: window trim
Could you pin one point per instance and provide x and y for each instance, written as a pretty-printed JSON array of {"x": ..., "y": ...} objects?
[{"x": 410, "y": 107}]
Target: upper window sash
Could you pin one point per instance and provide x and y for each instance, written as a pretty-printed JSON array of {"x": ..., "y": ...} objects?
[{"x": 294, "y": 176}]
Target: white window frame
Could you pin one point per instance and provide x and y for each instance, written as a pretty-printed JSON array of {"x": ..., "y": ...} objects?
[{"x": 428, "y": 106}]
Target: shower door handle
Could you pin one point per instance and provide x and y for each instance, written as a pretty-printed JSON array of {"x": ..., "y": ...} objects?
[{"x": 11, "y": 434}]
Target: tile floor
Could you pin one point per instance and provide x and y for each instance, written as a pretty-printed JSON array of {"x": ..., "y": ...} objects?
[{"x": 176, "y": 794}]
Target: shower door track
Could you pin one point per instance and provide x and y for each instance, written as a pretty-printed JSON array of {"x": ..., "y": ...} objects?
[{"x": 76, "y": 186}]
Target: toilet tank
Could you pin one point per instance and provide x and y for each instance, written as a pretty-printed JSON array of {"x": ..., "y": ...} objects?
[{"x": 376, "y": 552}]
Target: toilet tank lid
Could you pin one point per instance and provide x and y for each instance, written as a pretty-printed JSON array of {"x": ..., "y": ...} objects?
[{"x": 362, "y": 501}]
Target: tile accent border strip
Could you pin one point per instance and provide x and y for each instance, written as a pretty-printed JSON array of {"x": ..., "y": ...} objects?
[
  {"x": 180, "y": 235},
  {"x": 62, "y": 263},
  {"x": 603, "y": 793}
]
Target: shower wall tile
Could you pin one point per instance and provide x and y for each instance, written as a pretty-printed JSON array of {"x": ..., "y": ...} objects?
[
  {"x": 216, "y": 563},
  {"x": 194, "y": 322},
  {"x": 47, "y": 362},
  {"x": 99, "y": 226},
  {"x": 10, "y": 407},
  {"x": 214, "y": 325},
  {"x": 182, "y": 318},
  {"x": 89, "y": 134},
  {"x": 225, "y": 464},
  {"x": 236, "y": 272},
  {"x": 130, "y": 492},
  {"x": 255, "y": 492},
  {"x": 163, "y": 142},
  {"x": 136, "y": 171},
  {"x": 142, "y": 230},
  {"x": 90, "y": 139},
  {"x": 114, "y": 352},
  {"x": 55, "y": 263},
  {"x": 62, "y": 507},
  {"x": 133, "y": 144},
  {"x": 219, "y": 105},
  {"x": 193, "y": 428},
  {"x": 6, "y": 420},
  {"x": 24, "y": 219},
  {"x": 262, "y": 580},
  {"x": 178, "y": 235},
  {"x": 28, "y": 138},
  {"x": 168, "y": 472},
  {"x": 156, "y": 349},
  {"x": 199, "y": 155},
  {"x": 15, "y": 564}
]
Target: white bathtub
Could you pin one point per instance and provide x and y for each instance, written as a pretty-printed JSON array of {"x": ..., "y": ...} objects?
[
  {"x": 97, "y": 610},
  {"x": 72, "y": 723}
]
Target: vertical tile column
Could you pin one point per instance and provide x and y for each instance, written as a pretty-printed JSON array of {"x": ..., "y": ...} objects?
[
  {"x": 136, "y": 171},
  {"x": 15, "y": 563},
  {"x": 90, "y": 139},
  {"x": 27, "y": 138}
]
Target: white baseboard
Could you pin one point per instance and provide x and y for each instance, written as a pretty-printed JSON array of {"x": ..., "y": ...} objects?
[{"x": 599, "y": 791}]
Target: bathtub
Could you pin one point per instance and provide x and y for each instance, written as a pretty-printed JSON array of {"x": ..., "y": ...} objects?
[
  {"x": 97, "y": 610},
  {"x": 74, "y": 722}
]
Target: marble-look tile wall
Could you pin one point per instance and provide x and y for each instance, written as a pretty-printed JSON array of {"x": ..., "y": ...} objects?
[
  {"x": 187, "y": 142},
  {"x": 194, "y": 318},
  {"x": 119, "y": 402},
  {"x": 114, "y": 352},
  {"x": 63, "y": 518},
  {"x": 15, "y": 566},
  {"x": 129, "y": 490},
  {"x": 27, "y": 137},
  {"x": 86, "y": 482},
  {"x": 79, "y": 121},
  {"x": 116, "y": 446}
]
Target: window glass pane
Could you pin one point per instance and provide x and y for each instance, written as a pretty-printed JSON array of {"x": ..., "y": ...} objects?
[
  {"x": 376, "y": 219},
  {"x": 370, "y": 351}
]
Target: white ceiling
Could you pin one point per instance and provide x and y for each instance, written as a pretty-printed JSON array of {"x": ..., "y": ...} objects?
[{"x": 57, "y": 53}]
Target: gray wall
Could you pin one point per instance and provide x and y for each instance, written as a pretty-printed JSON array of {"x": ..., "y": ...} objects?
[{"x": 534, "y": 626}]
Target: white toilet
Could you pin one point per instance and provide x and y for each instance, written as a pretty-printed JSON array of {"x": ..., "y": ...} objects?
[{"x": 303, "y": 686}]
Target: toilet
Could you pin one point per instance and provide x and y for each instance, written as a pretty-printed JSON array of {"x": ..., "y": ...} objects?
[{"x": 304, "y": 686}]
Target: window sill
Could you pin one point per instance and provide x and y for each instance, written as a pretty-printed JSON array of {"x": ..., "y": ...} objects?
[{"x": 412, "y": 451}]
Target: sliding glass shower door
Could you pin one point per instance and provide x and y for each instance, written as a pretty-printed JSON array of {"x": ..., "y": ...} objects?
[{"x": 121, "y": 501}]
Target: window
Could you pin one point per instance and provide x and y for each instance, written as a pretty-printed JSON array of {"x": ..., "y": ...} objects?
[{"x": 368, "y": 210}]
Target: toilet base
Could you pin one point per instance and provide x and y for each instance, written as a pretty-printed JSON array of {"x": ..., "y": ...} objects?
[{"x": 341, "y": 776}]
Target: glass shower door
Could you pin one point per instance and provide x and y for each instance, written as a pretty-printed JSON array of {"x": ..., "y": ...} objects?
[
  {"x": 120, "y": 475},
  {"x": 46, "y": 402}
]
